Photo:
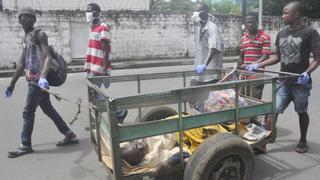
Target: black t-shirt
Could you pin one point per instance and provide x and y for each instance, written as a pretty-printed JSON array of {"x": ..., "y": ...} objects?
[{"x": 295, "y": 47}]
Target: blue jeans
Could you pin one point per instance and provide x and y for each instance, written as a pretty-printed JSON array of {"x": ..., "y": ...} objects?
[
  {"x": 297, "y": 93},
  {"x": 36, "y": 97}
]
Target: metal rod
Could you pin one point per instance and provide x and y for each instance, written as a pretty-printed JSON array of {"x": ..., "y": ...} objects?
[
  {"x": 115, "y": 141},
  {"x": 139, "y": 92},
  {"x": 260, "y": 14},
  {"x": 97, "y": 116},
  {"x": 236, "y": 102},
  {"x": 91, "y": 119},
  {"x": 180, "y": 131},
  {"x": 243, "y": 10},
  {"x": 274, "y": 109},
  {"x": 278, "y": 72},
  {"x": 184, "y": 85}
]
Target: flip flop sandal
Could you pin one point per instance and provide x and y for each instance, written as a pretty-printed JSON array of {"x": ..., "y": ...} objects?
[
  {"x": 19, "y": 152},
  {"x": 69, "y": 142},
  {"x": 302, "y": 148}
]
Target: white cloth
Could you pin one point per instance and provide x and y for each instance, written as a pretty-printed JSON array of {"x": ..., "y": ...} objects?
[
  {"x": 161, "y": 148},
  {"x": 255, "y": 133}
]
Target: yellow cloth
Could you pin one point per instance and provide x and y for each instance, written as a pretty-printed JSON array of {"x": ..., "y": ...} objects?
[{"x": 192, "y": 138}]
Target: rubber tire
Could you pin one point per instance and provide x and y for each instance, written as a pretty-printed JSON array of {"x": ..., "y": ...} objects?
[
  {"x": 157, "y": 113},
  {"x": 216, "y": 148}
]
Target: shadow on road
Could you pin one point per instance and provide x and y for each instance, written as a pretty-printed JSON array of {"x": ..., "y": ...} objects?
[{"x": 283, "y": 162}]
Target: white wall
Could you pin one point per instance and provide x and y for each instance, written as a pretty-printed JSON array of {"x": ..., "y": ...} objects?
[
  {"x": 135, "y": 35},
  {"x": 44, "y": 5}
]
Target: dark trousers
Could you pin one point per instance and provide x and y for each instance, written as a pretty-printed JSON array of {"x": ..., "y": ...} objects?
[
  {"x": 199, "y": 104},
  {"x": 36, "y": 97},
  {"x": 253, "y": 91}
]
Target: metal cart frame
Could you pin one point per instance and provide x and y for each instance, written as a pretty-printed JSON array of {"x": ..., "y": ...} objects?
[{"x": 102, "y": 115}]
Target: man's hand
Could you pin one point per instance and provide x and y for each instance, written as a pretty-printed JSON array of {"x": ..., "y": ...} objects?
[
  {"x": 201, "y": 68},
  {"x": 252, "y": 67},
  {"x": 304, "y": 78},
  {"x": 8, "y": 92},
  {"x": 43, "y": 83}
]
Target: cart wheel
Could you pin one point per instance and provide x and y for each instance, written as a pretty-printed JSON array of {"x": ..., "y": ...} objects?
[
  {"x": 222, "y": 156},
  {"x": 157, "y": 113}
]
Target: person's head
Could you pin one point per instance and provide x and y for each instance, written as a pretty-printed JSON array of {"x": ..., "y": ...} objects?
[
  {"x": 252, "y": 22},
  {"x": 292, "y": 12},
  {"x": 201, "y": 13},
  {"x": 92, "y": 12},
  {"x": 27, "y": 17}
]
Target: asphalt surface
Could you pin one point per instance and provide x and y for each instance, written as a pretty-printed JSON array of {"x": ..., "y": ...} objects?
[{"x": 80, "y": 161}]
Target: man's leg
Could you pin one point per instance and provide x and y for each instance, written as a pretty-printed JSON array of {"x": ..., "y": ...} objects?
[
  {"x": 301, "y": 96},
  {"x": 283, "y": 99},
  {"x": 199, "y": 104},
  {"x": 29, "y": 114},
  {"x": 28, "y": 123},
  {"x": 257, "y": 91},
  {"x": 304, "y": 124},
  {"x": 48, "y": 109}
]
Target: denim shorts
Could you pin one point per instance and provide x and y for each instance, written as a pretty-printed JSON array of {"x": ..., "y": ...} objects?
[{"x": 297, "y": 93}]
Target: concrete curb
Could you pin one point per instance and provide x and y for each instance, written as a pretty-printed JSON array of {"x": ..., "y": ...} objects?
[{"x": 129, "y": 65}]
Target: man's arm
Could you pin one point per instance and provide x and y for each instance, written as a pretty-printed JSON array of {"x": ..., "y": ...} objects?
[
  {"x": 241, "y": 59},
  {"x": 20, "y": 68},
  {"x": 210, "y": 55},
  {"x": 271, "y": 60},
  {"x": 106, "y": 50},
  {"x": 265, "y": 49},
  {"x": 316, "y": 60},
  {"x": 43, "y": 42},
  {"x": 263, "y": 58}
]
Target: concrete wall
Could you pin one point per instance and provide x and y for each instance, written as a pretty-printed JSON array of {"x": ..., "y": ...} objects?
[
  {"x": 136, "y": 35},
  {"x": 45, "y": 5}
]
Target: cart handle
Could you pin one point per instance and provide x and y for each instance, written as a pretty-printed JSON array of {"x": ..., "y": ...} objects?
[{"x": 278, "y": 72}]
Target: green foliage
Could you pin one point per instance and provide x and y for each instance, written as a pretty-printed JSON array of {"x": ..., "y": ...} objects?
[
  {"x": 274, "y": 7},
  {"x": 270, "y": 7},
  {"x": 224, "y": 7},
  {"x": 185, "y": 6},
  {"x": 253, "y": 5}
]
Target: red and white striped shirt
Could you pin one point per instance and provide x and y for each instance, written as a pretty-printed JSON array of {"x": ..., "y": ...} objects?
[
  {"x": 95, "y": 61},
  {"x": 254, "y": 48}
]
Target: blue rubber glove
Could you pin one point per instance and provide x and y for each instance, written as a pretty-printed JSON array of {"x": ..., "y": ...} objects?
[
  {"x": 201, "y": 68},
  {"x": 252, "y": 67},
  {"x": 43, "y": 83},
  {"x": 8, "y": 93},
  {"x": 304, "y": 78}
]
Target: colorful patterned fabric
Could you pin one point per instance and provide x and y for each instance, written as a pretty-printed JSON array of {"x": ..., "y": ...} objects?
[
  {"x": 222, "y": 100},
  {"x": 95, "y": 59}
]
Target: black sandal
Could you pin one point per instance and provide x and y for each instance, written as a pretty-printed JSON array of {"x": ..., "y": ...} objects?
[
  {"x": 19, "y": 152},
  {"x": 69, "y": 139},
  {"x": 302, "y": 148}
]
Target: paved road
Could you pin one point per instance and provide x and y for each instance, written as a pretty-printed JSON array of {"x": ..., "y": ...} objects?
[{"x": 80, "y": 162}]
